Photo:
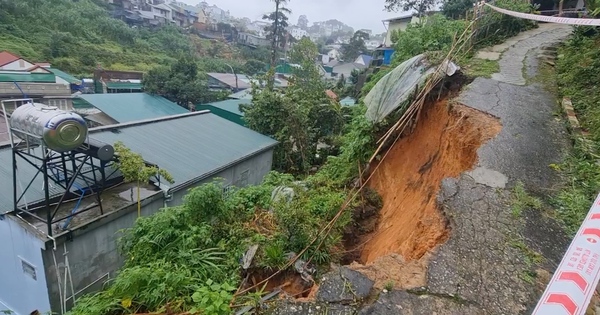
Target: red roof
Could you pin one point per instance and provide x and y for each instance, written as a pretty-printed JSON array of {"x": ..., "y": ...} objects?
[
  {"x": 37, "y": 67},
  {"x": 6, "y": 58},
  {"x": 331, "y": 94}
]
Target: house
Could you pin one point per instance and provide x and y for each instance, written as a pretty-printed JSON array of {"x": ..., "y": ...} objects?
[
  {"x": 230, "y": 81},
  {"x": 399, "y": 23},
  {"x": 216, "y": 14},
  {"x": 364, "y": 60},
  {"x": 253, "y": 40},
  {"x": 297, "y": 33},
  {"x": 242, "y": 95},
  {"x": 372, "y": 44},
  {"x": 195, "y": 148},
  {"x": 228, "y": 109},
  {"x": 383, "y": 56},
  {"x": 118, "y": 108},
  {"x": 163, "y": 10},
  {"x": 21, "y": 78},
  {"x": 334, "y": 54},
  {"x": 110, "y": 81},
  {"x": 346, "y": 70}
]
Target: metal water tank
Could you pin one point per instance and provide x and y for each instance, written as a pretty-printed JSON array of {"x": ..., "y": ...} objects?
[{"x": 60, "y": 130}]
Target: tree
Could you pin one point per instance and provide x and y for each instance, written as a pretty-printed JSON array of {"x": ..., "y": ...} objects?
[
  {"x": 420, "y": 6},
  {"x": 134, "y": 169},
  {"x": 355, "y": 47},
  {"x": 182, "y": 83},
  {"x": 303, "y": 22},
  {"x": 276, "y": 31},
  {"x": 299, "y": 119},
  {"x": 456, "y": 9}
]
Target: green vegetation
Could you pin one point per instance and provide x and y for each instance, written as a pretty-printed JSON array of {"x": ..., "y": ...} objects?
[
  {"x": 531, "y": 259},
  {"x": 577, "y": 68},
  {"x": 76, "y": 37},
  {"x": 476, "y": 67},
  {"x": 522, "y": 200}
]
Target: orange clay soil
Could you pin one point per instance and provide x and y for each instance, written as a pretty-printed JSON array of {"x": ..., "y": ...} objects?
[{"x": 444, "y": 144}]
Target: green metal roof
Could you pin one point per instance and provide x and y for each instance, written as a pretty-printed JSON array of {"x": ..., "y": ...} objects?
[
  {"x": 123, "y": 86},
  {"x": 28, "y": 77},
  {"x": 348, "y": 101},
  {"x": 232, "y": 106},
  {"x": 127, "y": 107},
  {"x": 190, "y": 147},
  {"x": 65, "y": 76},
  {"x": 78, "y": 102}
]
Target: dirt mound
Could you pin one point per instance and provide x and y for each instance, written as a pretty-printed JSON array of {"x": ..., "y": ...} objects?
[{"x": 444, "y": 144}]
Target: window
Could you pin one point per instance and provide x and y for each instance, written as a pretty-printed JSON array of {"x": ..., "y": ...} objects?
[{"x": 28, "y": 269}]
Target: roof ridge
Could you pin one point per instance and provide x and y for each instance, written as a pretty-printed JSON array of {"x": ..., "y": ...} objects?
[{"x": 147, "y": 121}]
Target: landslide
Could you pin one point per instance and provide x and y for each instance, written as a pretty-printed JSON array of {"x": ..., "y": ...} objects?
[{"x": 443, "y": 144}]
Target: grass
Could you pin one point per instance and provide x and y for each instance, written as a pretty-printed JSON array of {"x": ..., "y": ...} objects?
[
  {"x": 531, "y": 258},
  {"x": 576, "y": 76},
  {"x": 522, "y": 200},
  {"x": 476, "y": 67}
]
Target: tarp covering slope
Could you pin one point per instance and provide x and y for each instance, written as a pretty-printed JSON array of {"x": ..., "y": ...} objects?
[{"x": 396, "y": 87}]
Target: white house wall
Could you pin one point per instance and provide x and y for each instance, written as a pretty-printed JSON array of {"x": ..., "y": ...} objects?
[
  {"x": 21, "y": 257},
  {"x": 17, "y": 65}
]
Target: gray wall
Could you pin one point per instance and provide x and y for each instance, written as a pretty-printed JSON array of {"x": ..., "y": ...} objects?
[
  {"x": 256, "y": 167},
  {"x": 92, "y": 253}
]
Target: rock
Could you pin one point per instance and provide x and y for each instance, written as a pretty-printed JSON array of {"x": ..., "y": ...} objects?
[
  {"x": 311, "y": 308},
  {"x": 344, "y": 285}
]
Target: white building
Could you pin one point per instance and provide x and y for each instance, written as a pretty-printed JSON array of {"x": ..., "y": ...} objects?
[
  {"x": 334, "y": 54},
  {"x": 372, "y": 44},
  {"x": 297, "y": 32},
  {"x": 217, "y": 14}
]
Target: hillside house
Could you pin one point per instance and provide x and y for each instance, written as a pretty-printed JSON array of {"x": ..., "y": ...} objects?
[
  {"x": 110, "y": 81},
  {"x": 253, "y": 40},
  {"x": 195, "y": 148},
  {"x": 399, "y": 23},
  {"x": 334, "y": 54}
]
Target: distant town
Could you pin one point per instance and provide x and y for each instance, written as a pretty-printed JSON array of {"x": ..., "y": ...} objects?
[{"x": 206, "y": 17}]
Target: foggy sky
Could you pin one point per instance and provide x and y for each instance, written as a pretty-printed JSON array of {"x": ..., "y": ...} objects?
[{"x": 357, "y": 14}]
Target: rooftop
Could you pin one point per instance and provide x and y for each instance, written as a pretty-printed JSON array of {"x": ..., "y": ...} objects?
[
  {"x": 127, "y": 107},
  {"x": 65, "y": 76},
  {"x": 27, "y": 77},
  {"x": 7, "y": 57},
  {"x": 190, "y": 146},
  {"x": 243, "y": 82},
  {"x": 405, "y": 16},
  {"x": 232, "y": 106}
]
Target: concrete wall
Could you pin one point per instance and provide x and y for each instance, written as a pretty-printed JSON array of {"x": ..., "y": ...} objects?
[
  {"x": 92, "y": 252},
  {"x": 256, "y": 167},
  {"x": 22, "y": 276},
  {"x": 395, "y": 26}
]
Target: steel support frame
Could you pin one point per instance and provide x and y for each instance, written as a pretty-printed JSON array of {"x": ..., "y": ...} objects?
[{"x": 59, "y": 161}]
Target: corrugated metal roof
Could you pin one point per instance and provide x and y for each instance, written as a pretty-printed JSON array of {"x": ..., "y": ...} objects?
[
  {"x": 232, "y": 106},
  {"x": 242, "y": 95},
  {"x": 188, "y": 146},
  {"x": 65, "y": 76},
  {"x": 123, "y": 86},
  {"x": 28, "y": 77},
  {"x": 126, "y": 107}
]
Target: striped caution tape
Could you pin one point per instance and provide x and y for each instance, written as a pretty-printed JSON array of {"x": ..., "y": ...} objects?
[
  {"x": 549, "y": 19},
  {"x": 575, "y": 280}
]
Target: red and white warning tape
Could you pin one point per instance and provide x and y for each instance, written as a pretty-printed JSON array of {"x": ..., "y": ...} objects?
[
  {"x": 549, "y": 19},
  {"x": 575, "y": 280}
]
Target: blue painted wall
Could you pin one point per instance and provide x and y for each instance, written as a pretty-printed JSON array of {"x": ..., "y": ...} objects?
[
  {"x": 387, "y": 56},
  {"x": 19, "y": 291}
]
